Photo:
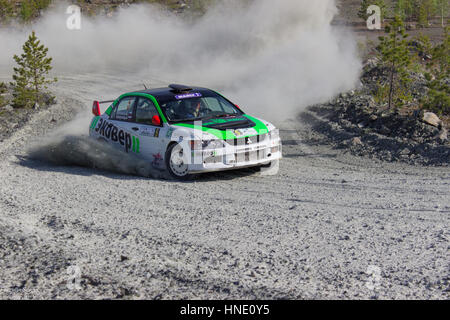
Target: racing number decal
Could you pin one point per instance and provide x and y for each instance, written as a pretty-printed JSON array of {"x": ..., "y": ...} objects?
[{"x": 111, "y": 132}]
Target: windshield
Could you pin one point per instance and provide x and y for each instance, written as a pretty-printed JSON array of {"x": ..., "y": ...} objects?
[{"x": 197, "y": 106}]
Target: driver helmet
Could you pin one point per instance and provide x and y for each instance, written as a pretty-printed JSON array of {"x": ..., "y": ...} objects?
[{"x": 194, "y": 106}]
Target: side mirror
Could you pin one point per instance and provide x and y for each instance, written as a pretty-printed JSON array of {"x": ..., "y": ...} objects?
[
  {"x": 156, "y": 120},
  {"x": 96, "y": 108}
]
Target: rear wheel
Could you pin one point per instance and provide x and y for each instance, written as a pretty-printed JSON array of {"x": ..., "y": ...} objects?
[{"x": 175, "y": 163}]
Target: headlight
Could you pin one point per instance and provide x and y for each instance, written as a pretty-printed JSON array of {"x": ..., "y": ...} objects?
[
  {"x": 274, "y": 134},
  {"x": 206, "y": 144},
  {"x": 212, "y": 144}
]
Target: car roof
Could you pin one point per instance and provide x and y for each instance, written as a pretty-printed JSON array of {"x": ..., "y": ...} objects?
[{"x": 163, "y": 95}]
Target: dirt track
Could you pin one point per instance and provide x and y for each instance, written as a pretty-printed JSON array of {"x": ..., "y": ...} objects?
[{"x": 315, "y": 230}]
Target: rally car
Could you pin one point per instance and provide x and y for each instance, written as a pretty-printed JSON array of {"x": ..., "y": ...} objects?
[{"x": 186, "y": 130}]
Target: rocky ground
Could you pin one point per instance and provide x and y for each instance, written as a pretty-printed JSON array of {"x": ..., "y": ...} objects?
[
  {"x": 354, "y": 122},
  {"x": 329, "y": 225},
  {"x": 12, "y": 119},
  {"x": 359, "y": 210}
]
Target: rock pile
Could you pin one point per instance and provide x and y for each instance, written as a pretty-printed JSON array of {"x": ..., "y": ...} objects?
[{"x": 355, "y": 122}]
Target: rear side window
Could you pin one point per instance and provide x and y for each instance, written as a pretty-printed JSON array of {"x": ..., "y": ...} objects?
[
  {"x": 124, "y": 109},
  {"x": 145, "y": 110}
]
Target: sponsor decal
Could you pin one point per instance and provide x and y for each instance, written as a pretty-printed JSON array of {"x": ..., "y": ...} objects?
[
  {"x": 169, "y": 133},
  {"x": 148, "y": 132},
  {"x": 113, "y": 133},
  {"x": 244, "y": 132},
  {"x": 157, "y": 160},
  {"x": 188, "y": 95}
]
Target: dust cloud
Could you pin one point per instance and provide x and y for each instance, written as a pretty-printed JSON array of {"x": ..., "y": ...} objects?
[
  {"x": 273, "y": 58},
  {"x": 80, "y": 150}
]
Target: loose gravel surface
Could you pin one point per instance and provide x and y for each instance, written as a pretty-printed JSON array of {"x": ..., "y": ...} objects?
[{"x": 328, "y": 225}]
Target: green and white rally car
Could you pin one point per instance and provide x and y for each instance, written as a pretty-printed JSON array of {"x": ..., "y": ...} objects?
[{"x": 186, "y": 131}]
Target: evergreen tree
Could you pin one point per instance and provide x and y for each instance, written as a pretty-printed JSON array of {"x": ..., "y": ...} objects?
[
  {"x": 30, "y": 75},
  {"x": 30, "y": 9},
  {"x": 6, "y": 11},
  {"x": 2, "y": 98},
  {"x": 406, "y": 9},
  {"x": 394, "y": 54},
  {"x": 423, "y": 16},
  {"x": 438, "y": 97},
  {"x": 426, "y": 10},
  {"x": 27, "y": 10},
  {"x": 442, "y": 9}
]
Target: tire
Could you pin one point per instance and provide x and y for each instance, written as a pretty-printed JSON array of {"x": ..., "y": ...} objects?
[{"x": 177, "y": 169}]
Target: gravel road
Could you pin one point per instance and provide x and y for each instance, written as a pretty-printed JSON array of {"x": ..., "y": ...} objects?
[{"x": 328, "y": 225}]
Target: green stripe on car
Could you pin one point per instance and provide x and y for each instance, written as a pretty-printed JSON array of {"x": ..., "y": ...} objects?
[
  {"x": 259, "y": 127},
  {"x": 94, "y": 122}
]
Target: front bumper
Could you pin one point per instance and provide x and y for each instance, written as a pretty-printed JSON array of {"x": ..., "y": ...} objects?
[{"x": 236, "y": 155}]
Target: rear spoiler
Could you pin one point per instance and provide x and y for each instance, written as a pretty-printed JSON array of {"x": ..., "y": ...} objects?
[{"x": 96, "y": 106}]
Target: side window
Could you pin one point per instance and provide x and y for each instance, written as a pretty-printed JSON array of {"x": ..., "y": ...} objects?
[
  {"x": 145, "y": 110},
  {"x": 213, "y": 104},
  {"x": 124, "y": 110}
]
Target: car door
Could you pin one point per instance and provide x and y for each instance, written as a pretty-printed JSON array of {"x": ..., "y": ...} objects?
[
  {"x": 150, "y": 135},
  {"x": 119, "y": 131}
]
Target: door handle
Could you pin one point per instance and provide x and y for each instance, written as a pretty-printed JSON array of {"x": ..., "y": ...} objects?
[{"x": 135, "y": 129}]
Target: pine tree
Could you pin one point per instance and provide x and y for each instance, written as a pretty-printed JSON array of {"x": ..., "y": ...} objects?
[
  {"x": 442, "y": 9},
  {"x": 426, "y": 10},
  {"x": 2, "y": 98},
  {"x": 30, "y": 9},
  {"x": 438, "y": 97},
  {"x": 30, "y": 75},
  {"x": 395, "y": 55},
  {"x": 6, "y": 11},
  {"x": 405, "y": 9},
  {"x": 27, "y": 10},
  {"x": 423, "y": 16}
]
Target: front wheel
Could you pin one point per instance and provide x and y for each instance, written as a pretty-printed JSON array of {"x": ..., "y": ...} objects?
[{"x": 176, "y": 164}]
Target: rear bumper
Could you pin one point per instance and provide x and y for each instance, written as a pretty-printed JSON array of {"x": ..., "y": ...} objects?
[{"x": 235, "y": 157}]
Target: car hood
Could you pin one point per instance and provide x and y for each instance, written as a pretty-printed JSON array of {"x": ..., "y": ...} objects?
[{"x": 225, "y": 129}]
